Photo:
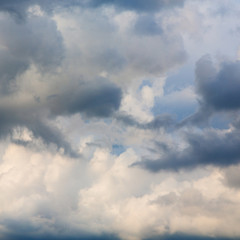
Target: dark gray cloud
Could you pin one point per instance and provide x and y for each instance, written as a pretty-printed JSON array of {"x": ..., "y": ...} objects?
[
  {"x": 38, "y": 42},
  {"x": 98, "y": 99},
  {"x": 10, "y": 67},
  {"x": 138, "y": 5},
  {"x": 218, "y": 89},
  {"x": 181, "y": 236},
  {"x": 177, "y": 236},
  {"x": 19, "y": 10},
  {"x": 14, "y": 8},
  {"x": 32, "y": 118},
  {"x": 49, "y": 237},
  {"x": 35, "y": 42},
  {"x": 17, "y": 229},
  {"x": 21, "y": 231},
  {"x": 161, "y": 121},
  {"x": 218, "y": 93},
  {"x": 208, "y": 148}
]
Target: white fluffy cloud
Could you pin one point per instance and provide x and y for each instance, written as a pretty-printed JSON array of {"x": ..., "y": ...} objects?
[{"x": 49, "y": 191}]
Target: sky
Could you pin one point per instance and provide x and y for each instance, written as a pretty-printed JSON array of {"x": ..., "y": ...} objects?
[{"x": 119, "y": 120}]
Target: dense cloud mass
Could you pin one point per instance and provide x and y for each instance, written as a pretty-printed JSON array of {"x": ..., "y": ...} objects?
[
  {"x": 209, "y": 148},
  {"x": 22, "y": 45},
  {"x": 219, "y": 89},
  {"x": 101, "y": 99},
  {"x": 119, "y": 120}
]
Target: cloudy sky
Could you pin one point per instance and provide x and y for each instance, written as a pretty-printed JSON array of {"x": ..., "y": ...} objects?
[{"x": 119, "y": 119}]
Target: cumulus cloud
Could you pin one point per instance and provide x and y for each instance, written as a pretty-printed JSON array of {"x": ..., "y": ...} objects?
[
  {"x": 25, "y": 44},
  {"x": 94, "y": 101},
  {"x": 40, "y": 43},
  {"x": 208, "y": 148},
  {"x": 100, "y": 98},
  {"x": 53, "y": 196},
  {"x": 219, "y": 89},
  {"x": 218, "y": 93},
  {"x": 37, "y": 44},
  {"x": 91, "y": 93}
]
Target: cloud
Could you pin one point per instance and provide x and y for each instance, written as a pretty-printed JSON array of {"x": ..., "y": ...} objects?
[
  {"x": 218, "y": 92},
  {"x": 138, "y": 5},
  {"x": 63, "y": 84},
  {"x": 19, "y": 11},
  {"x": 161, "y": 121},
  {"x": 217, "y": 89},
  {"x": 13, "y": 118},
  {"x": 89, "y": 146},
  {"x": 26, "y": 236},
  {"x": 97, "y": 99},
  {"x": 208, "y": 148},
  {"x": 14, "y": 8},
  {"x": 35, "y": 42},
  {"x": 32, "y": 52},
  {"x": 182, "y": 236},
  {"x": 147, "y": 25},
  {"x": 47, "y": 195},
  {"x": 231, "y": 177},
  {"x": 101, "y": 99}
]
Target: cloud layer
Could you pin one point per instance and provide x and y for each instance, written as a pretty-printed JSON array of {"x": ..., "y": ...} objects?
[{"x": 119, "y": 120}]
